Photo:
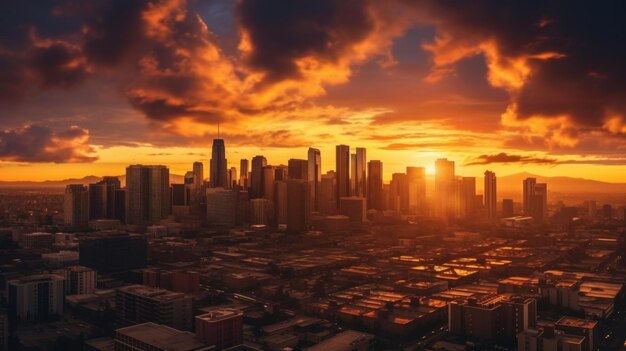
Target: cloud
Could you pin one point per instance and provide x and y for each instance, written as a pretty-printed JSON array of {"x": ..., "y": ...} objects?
[
  {"x": 36, "y": 143},
  {"x": 560, "y": 63},
  {"x": 509, "y": 158}
]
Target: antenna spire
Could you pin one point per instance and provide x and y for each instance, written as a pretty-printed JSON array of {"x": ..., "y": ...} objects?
[{"x": 218, "y": 130}]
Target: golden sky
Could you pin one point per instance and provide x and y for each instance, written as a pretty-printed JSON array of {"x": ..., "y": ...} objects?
[{"x": 86, "y": 89}]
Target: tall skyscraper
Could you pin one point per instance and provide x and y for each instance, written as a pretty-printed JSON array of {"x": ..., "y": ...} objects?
[
  {"x": 218, "y": 177},
  {"x": 529, "y": 190},
  {"x": 298, "y": 169},
  {"x": 490, "y": 194},
  {"x": 417, "y": 189},
  {"x": 342, "y": 171},
  {"x": 256, "y": 177},
  {"x": 102, "y": 198},
  {"x": 269, "y": 191},
  {"x": 444, "y": 189},
  {"x": 281, "y": 172},
  {"x": 243, "y": 173},
  {"x": 232, "y": 177},
  {"x": 76, "y": 206},
  {"x": 147, "y": 194},
  {"x": 535, "y": 200},
  {"x": 359, "y": 172},
  {"x": 399, "y": 192},
  {"x": 328, "y": 194},
  {"x": 198, "y": 174},
  {"x": 375, "y": 185},
  {"x": 298, "y": 205},
  {"x": 466, "y": 197},
  {"x": 314, "y": 159}
]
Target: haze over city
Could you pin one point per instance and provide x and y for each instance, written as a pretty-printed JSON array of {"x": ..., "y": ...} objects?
[{"x": 312, "y": 175}]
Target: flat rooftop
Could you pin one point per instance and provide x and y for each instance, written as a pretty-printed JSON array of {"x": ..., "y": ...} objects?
[{"x": 161, "y": 336}]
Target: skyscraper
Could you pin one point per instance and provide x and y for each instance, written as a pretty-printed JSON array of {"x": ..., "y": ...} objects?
[
  {"x": 147, "y": 194},
  {"x": 256, "y": 177},
  {"x": 314, "y": 159},
  {"x": 490, "y": 194},
  {"x": 221, "y": 207},
  {"x": 218, "y": 177},
  {"x": 269, "y": 183},
  {"x": 232, "y": 177},
  {"x": 444, "y": 189},
  {"x": 466, "y": 197},
  {"x": 328, "y": 194},
  {"x": 417, "y": 188},
  {"x": 76, "y": 206},
  {"x": 243, "y": 173},
  {"x": 399, "y": 192},
  {"x": 529, "y": 189},
  {"x": 359, "y": 173},
  {"x": 298, "y": 169},
  {"x": 298, "y": 205},
  {"x": 342, "y": 171},
  {"x": 198, "y": 174},
  {"x": 375, "y": 185}
]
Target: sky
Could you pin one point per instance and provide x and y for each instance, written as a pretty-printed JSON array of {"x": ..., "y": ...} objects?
[{"x": 89, "y": 87}]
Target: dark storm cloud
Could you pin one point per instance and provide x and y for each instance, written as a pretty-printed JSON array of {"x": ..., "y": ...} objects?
[
  {"x": 283, "y": 31},
  {"x": 583, "y": 78},
  {"x": 36, "y": 143}
]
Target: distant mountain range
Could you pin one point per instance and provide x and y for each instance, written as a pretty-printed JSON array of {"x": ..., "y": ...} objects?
[{"x": 506, "y": 184}]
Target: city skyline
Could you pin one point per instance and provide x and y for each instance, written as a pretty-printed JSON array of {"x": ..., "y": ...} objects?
[{"x": 405, "y": 81}]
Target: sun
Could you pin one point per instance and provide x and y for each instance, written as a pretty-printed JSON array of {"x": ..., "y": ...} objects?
[{"x": 430, "y": 169}]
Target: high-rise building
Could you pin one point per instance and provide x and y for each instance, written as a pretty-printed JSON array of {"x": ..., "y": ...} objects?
[
  {"x": 269, "y": 191},
  {"x": 280, "y": 203},
  {"x": 399, "y": 192},
  {"x": 298, "y": 205},
  {"x": 328, "y": 194},
  {"x": 466, "y": 197},
  {"x": 179, "y": 195},
  {"x": 359, "y": 172},
  {"x": 139, "y": 303},
  {"x": 490, "y": 194},
  {"x": 221, "y": 207},
  {"x": 232, "y": 177},
  {"x": 218, "y": 177},
  {"x": 147, "y": 194},
  {"x": 353, "y": 207},
  {"x": 342, "y": 172},
  {"x": 220, "y": 327},
  {"x": 256, "y": 177},
  {"x": 507, "y": 208},
  {"x": 261, "y": 211},
  {"x": 36, "y": 298},
  {"x": 314, "y": 176},
  {"x": 417, "y": 189},
  {"x": 38, "y": 240},
  {"x": 102, "y": 198},
  {"x": 113, "y": 251},
  {"x": 76, "y": 206},
  {"x": 529, "y": 190},
  {"x": 243, "y": 173},
  {"x": 535, "y": 200},
  {"x": 78, "y": 279},
  {"x": 375, "y": 185},
  {"x": 198, "y": 174},
  {"x": 298, "y": 169},
  {"x": 281, "y": 172},
  {"x": 444, "y": 189}
]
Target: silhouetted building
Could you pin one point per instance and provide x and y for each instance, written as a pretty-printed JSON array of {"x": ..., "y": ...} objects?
[
  {"x": 243, "y": 173},
  {"x": 180, "y": 195},
  {"x": 445, "y": 203},
  {"x": 113, "y": 251},
  {"x": 147, "y": 194},
  {"x": 353, "y": 207},
  {"x": 76, "y": 206},
  {"x": 269, "y": 191},
  {"x": 490, "y": 198},
  {"x": 261, "y": 212},
  {"x": 529, "y": 191},
  {"x": 314, "y": 176},
  {"x": 298, "y": 205},
  {"x": 256, "y": 177},
  {"x": 358, "y": 170},
  {"x": 417, "y": 188},
  {"x": 218, "y": 177},
  {"x": 102, "y": 198},
  {"x": 399, "y": 192},
  {"x": 507, "y": 208},
  {"x": 221, "y": 207},
  {"x": 466, "y": 197},
  {"x": 328, "y": 194},
  {"x": 298, "y": 169},
  {"x": 280, "y": 204},
  {"x": 232, "y": 177},
  {"x": 375, "y": 185},
  {"x": 342, "y": 172}
]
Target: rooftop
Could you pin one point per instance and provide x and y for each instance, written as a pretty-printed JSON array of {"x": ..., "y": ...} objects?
[{"x": 161, "y": 336}]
